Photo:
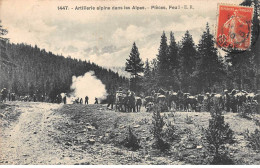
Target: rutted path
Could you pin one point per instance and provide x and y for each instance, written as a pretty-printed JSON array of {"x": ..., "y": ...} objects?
[{"x": 26, "y": 141}]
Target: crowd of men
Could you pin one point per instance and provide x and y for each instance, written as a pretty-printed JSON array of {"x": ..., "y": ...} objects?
[{"x": 128, "y": 101}]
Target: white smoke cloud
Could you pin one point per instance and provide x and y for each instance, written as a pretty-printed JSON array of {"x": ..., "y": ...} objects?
[{"x": 87, "y": 85}]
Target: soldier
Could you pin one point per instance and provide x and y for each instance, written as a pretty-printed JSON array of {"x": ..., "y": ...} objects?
[
  {"x": 9, "y": 96},
  {"x": 4, "y": 93},
  {"x": 119, "y": 99},
  {"x": 34, "y": 97},
  {"x": 110, "y": 100},
  {"x": 208, "y": 101},
  {"x": 233, "y": 101},
  {"x": 227, "y": 100},
  {"x": 86, "y": 100},
  {"x": 13, "y": 96},
  {"x": 81, "y": 101},
  {"x": 65, "y": 99},
  {"x": 96, "y": 100},
  {"x": 42, "y": 98}
]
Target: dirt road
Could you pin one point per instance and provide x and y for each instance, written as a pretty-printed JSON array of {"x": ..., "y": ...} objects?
[{"x": 26, "y": 141}]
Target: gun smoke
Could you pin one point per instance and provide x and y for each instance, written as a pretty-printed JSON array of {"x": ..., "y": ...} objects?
[{"x": 86, "y": 85}]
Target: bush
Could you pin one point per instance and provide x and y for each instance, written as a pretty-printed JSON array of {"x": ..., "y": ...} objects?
[
  {"x": 254, "y": 139},
  {"x": 219, "y": 132},
  {"x": 247, "y": 109},
  {"x": 188, "y": 120},
  {"x": 116, "y": 122},
  {"x": 157, "y": 130},
  {"x": 131, "y": 140},
  {"x": 170, "y": 132}
]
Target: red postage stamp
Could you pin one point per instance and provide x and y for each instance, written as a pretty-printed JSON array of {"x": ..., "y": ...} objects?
[{"x": 234, "y": 27}]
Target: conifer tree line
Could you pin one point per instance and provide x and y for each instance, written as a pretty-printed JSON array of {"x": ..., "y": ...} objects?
[
  {"x": 199, "y": 68},
  {"x": 25, "y": 69}
]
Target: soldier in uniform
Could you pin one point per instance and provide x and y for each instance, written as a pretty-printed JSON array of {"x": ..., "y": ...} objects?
[
  {"x": 96, "y": 100},
  {"x": 65, "y": 99},
  {"x": 81, "y": 101},
  {"x": 86, "y": 100},
  {"x": 208, "y": 101},
  {"x": 110, "y": 100},
  {"x": 4, "y": 93},
  {"x": 34, "y": 97},
  {"x": 233, "y": 101},
  {"x": 227, "y": 100}
]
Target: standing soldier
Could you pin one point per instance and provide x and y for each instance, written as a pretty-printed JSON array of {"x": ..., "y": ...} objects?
[
  {"x": 4, "y": 93},
  {"x": 208, "y": 101},
  {"x": 34, "y": 97},
  {"x": 96, "y": 100},
  {"x": 233, "y": 101},
  {"x": 86, "y": 100},
  {"x": 110, "y": 99},
  {"x": 81, "y": 101},
  {"x": 65, "y": 99},
  {"x": 9, "y": 96},
  {"x": 13, "y": 96},
  {"x": 227, "y": 100}
]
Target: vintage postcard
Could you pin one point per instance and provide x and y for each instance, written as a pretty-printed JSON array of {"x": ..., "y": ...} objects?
[{"x": 129, "y": 82}]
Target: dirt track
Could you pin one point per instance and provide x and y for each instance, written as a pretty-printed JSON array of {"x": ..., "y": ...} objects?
[
  {"x": 26, "y": 141},
  {"x": 48, "y": 133}
]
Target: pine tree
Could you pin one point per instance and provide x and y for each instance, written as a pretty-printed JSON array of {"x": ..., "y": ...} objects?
[
  {"x": 163, "y": 63},
  {"x": 255, "y": 50},
  {"x": 244, "y": 66},
  {"x": 188, "y": 62},
  {"x": 210, "y": 68},
  {"x": 174, "y": 62},
  {"x": 147, "y": 78},
  {"x": 5, "y": 63},
  {"x": 134, "y": 65}
]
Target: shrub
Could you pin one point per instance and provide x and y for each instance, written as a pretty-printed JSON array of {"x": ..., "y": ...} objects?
[
  {"x": 170, "y": 132},
  {"x": 188, "y": 120},
  {"x": 254, "y": 139},
  {"x": 131, "y": 140},
  {"x": 247, "y": 109},
  {"x": 116, "y": 122},
  {"x": 157, "y": 130},
  {"x": 219, "y": 132}
]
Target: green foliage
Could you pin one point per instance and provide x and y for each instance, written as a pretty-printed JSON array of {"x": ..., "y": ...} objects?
[
  {"x": 188, "y": 62},
  {"x": 254, "y": 139},
  {"x": 210, "y": 68},
  {"x": 188, "y": 54},
  {"x": 174, "y": 61},
  {"x": 134, "y": 65},
  {"x": 219, "y": 132},
  {"x": 248, "y": 109},
  {"x": 157, "y": 130},
  {"x": 163, "y": 63},
  {"x": 131, "y": 140},
  {"x": 188, "y": 120},
  {"x": 170, "y": 132},
  {"x": 38, "y": 71}
]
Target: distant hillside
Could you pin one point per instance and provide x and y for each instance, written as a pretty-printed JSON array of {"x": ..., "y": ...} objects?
[{"x": 29, "y": 70}]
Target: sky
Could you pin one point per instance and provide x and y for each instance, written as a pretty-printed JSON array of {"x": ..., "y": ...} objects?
[{"x": 104, "y": 37}]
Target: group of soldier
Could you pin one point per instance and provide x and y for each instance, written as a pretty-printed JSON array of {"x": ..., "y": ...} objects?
[
  {"x": 76, "y": 100},
  {"x": 128, "y": 101}
]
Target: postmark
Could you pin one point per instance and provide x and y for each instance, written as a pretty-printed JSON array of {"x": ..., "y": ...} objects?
[{"x": 234, "y": 28}]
